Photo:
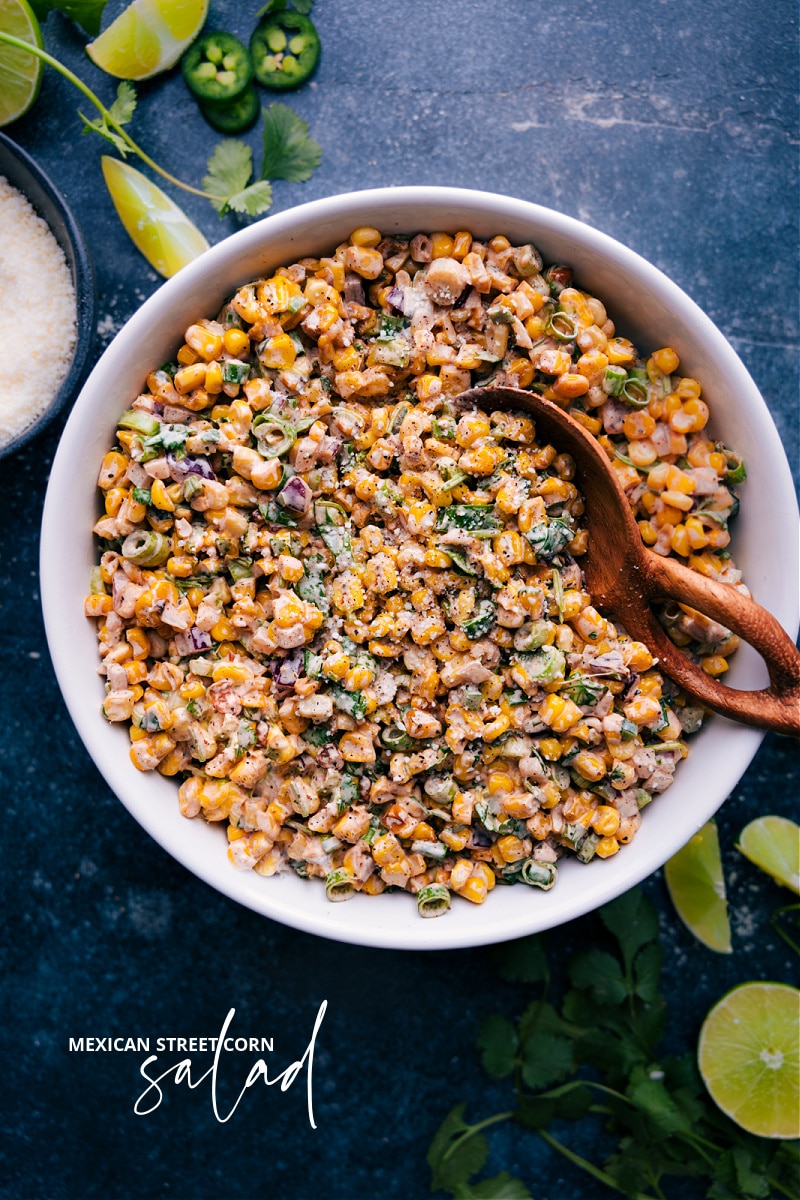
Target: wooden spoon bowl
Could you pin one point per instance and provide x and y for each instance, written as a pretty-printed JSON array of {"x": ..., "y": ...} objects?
[{"x": 625, "y": 579}]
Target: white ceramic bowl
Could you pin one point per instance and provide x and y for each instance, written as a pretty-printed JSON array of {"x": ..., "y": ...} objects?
[{"x": 647, "y": 307}]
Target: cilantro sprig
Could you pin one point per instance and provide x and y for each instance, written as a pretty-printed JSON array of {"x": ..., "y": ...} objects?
[
  {"x": 599, "y": 1052},
  {"x": 228, "y": 184}
]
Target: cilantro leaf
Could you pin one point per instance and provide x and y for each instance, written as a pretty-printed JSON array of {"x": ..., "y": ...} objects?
[
  {"x": 599, "y": 973},
  {"x": 647, "y": 972},
  {"x": 632, "y": 920},
  {"x": 648, "y": 1093},
  {"x": 522, "y": 961},
  {"x": 541, "y": 1017},
  {"x": 227, "y": 183},
  {"x": 454, "y": 1156},
  {"x": 288, "y": 151},
  {"x": 500, "y": 1187},
  {"x": 86, "y": 13},
  {"x": 121, "y": 111},
  {"x": 303, "y": 6},
  {"x": 568, "y": 1102},
  {"x": 546, "y": 1058},
  {"x": 497, "y": 1042},
  {"x": 124, "y": 104}
]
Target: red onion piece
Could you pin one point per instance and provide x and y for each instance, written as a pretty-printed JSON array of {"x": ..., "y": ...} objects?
[
  {"x": 394, "y": 296},
  {"x": 295, "y": 495},
  {"x": 193, "y": 641},
  {"x": 179, "y": 468},
  {"x": 289, "y": 669}
]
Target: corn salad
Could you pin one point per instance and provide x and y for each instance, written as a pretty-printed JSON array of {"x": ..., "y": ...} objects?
[{"x": 349, "y": 617}]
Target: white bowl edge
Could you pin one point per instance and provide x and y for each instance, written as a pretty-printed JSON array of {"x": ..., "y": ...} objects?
[{"x": 721, "y": 752}]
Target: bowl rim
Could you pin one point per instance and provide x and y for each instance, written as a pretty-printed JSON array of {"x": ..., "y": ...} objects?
[
  {"x": 326, "y": 922},
  {"x": 26, "y": 169}
]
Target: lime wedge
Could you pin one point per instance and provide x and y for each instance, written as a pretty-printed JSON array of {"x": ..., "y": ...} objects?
[
  {"x": 148, "y": 37},
  {"x": 749, "y": 1057},
  {"x": 697, "y": 888},
  {"x": 20, "y": 72},
  {"x": 155, "y": 224},
  {"x": 773, "y": 843}
]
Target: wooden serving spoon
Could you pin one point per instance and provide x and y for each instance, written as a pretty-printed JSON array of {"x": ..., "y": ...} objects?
[{"x": 625, "y": 578}]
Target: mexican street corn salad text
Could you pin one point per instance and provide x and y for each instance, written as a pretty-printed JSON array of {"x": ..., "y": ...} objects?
[{"x": 350, "y": 617}]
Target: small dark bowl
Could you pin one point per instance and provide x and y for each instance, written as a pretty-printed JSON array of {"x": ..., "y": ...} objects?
[{"x": 28, "y": 178}]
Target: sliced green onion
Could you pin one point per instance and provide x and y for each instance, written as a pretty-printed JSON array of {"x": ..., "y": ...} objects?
[
  {"x": 273, "y": 435},
  {"x": 139, "y": 422},
  {"x": 684, "y": 749},
  {"x": 141, "y": 495},
  {"x": 355, "y": 416},
  {"x": 562, "y": 326},
  {"x": 398, "y": 416},
  {"x": 634, "y": 392},
  {"x": 394, "y": 737},
  {"x": 147, "y": 548},
  {"x": 500, "y": 315},
  {"x": 96, "y": 585},
  {"x": 436, "y": 850},
  {"x": 234, "y": 371},
  {"x": 192, "y": 484},
  {"x": 735, "y": 472},
  {"x": 459, "y": 558},
  {"x": 240, "y": 568},
  {"x": 541, "y": 875},
  {"x": 588, "y": 848},
  {"x": 440, "y": 788},
  {"x": 433, "y": 900},
  {"x": 614, "y": 380},
  {"x": 339, "y": 885}
]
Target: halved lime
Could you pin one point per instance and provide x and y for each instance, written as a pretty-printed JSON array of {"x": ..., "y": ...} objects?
[
  {"x": 697, "y": 888},
  {"x": 156, "y": 225},
  {"x": 148, "y": 37},
  {"x": 773, "y": 843},
  {"x": 20, "y": 72},
  {"x": 749, "y": 1057}
]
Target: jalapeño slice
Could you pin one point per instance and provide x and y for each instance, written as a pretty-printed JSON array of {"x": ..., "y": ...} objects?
[
  {"x": 284, "y": 49},
  {"x": 232, "y": 116},
  {"x": 217, "y": 67}
]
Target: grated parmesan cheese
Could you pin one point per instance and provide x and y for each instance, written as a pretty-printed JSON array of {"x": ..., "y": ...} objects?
[{"x": 38, "y": 328}]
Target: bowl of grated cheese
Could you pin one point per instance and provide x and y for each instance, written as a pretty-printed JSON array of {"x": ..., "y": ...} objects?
[{"x": 45, "y": 277}]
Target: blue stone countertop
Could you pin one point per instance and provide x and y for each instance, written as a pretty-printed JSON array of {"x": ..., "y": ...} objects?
[{"x": 674, "y": 129}]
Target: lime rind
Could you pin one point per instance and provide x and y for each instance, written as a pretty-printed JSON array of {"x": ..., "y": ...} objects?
[
  {"x": 20, "y": 73},
  {"x": 696, "y": 886},
  {"x": 749, "y": 1057},
  {"x": 773, "y": 844}
]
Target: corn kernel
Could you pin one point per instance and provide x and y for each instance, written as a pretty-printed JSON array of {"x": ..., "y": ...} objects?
[
  {"x": 714, "y": 665},
  {"x": 606, "y": 847}
]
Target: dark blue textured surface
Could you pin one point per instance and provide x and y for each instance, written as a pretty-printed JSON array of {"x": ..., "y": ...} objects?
[{"x": 671, "y": 128}]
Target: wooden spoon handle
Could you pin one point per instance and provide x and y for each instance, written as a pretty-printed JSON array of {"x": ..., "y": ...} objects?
[{"x": 776, "y": 707}]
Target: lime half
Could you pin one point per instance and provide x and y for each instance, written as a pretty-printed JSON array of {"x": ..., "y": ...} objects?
[
  {"x": 749, "y": 1057},
  {"x": 148, "y": 37},
  {"x": 155, "y": 224},
  {"x": 20, "y": 72},
  {"x": 697, "y": 888},
  {"x": 773, "y": 843}
]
